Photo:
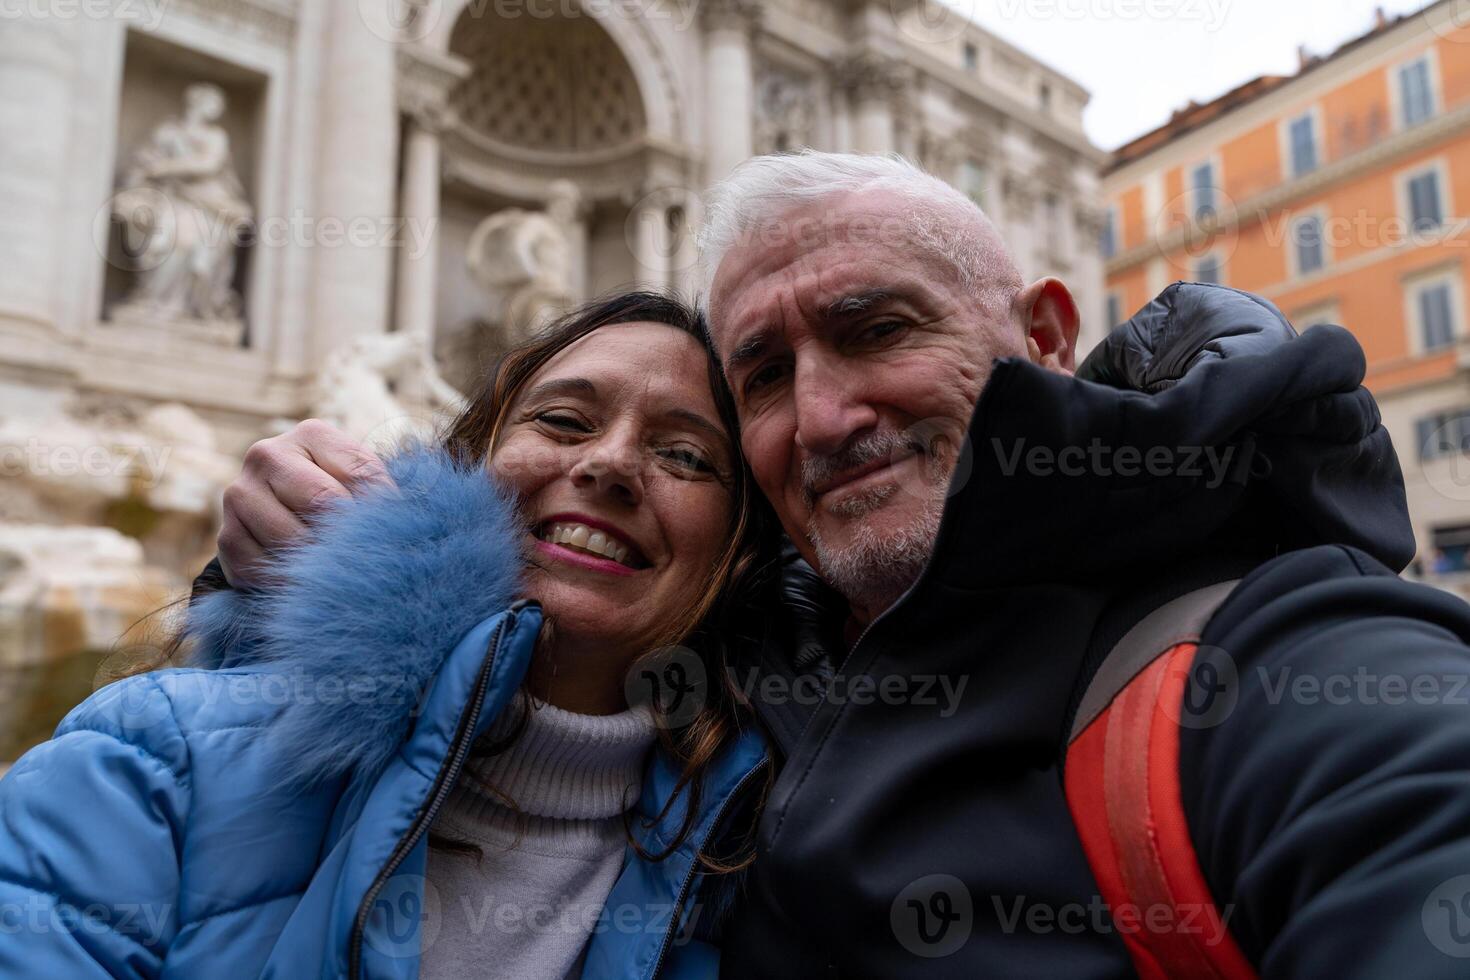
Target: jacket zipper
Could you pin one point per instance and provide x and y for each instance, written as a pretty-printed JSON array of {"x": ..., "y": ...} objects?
[
  {"x": 734, "y": 794},
  {"x": 443, "y": 783}
]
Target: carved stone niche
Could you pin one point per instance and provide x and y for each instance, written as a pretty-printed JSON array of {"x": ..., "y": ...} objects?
[
  {"x": 785, "y": 110},
  {"x": 181, "y": 221}
]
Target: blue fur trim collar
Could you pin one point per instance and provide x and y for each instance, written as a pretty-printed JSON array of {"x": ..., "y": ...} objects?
[{"x": 387, "y": 585}]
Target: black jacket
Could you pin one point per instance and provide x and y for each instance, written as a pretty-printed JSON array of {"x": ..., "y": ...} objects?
[{"x": 906, "y": 837}]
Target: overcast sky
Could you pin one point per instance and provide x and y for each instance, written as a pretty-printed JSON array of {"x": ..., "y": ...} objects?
[{"x": 1140, "y": 66}]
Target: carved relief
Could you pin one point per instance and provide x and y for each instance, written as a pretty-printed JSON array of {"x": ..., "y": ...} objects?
[{"x": 785, "y": 111}]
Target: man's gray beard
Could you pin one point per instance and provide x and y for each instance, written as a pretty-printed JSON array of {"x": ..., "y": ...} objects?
[{"x": 874, "y": 570}]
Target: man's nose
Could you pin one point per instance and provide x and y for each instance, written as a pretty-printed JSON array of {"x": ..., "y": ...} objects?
[{"x": 830, "y": 407}]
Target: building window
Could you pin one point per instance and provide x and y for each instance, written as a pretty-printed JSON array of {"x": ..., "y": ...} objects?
[
  {"x": 1202, "y": 183},
  {"x": 1426, "y": 206},
  {"x": 1416, "y": 92},
  {"x": 972, "y": 56},
  {"x": 1302, "y": 135},
  {"x": 1309, "y": 245},
  {"x": 972, "y": 182},
  {"x": 1114, "y": 313},
  {"x": 1045, "y": 96},
  {"x": 1434, "y": 307},
  {"x": 1316, "y": 316},
  {"x": 1443, "y": 434},
  {"x": 1053, "y": 209},
  {"x": 1451, "y": 552},
  {"x": 1108, "y": 238},
  {"x": 1207, "y": 269}
]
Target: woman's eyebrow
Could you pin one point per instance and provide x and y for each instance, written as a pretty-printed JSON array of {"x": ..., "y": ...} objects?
[
  {"x": 699, "y": 422},
  {"x": 563, "y": 386}
]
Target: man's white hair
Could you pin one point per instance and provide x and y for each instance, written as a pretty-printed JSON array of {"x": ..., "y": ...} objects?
[{"x": 944, "y": 221}]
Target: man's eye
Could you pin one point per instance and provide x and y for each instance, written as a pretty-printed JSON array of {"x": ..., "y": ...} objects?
[
  {"x": 885, "y": 330},
  {"x": 569, "y": 423},
  {"x": 764, "y": 376}
]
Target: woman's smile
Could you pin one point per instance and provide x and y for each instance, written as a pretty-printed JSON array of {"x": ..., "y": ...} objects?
[{"x": 588, "y": 542}]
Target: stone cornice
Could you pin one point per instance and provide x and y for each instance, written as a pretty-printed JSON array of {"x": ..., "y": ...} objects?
[
  {"x": 721, "y": 15},
  {"x": 869, "y": 75},
  {"x": 274, "y": 20},
  {"x": 1235, "y": 216},
  {"x": 425, "y": 79}
]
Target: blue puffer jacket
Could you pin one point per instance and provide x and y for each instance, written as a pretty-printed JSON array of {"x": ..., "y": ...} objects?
[{"x": 266, "y": 815}]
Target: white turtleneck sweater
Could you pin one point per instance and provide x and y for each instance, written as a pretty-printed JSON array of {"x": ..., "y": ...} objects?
[{"x": 528, "y": 906}]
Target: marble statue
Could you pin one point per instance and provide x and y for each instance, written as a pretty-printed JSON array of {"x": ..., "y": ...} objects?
[
  {"x": 523, "y": 259},
  {"x": 384, "y": 389},
  {"x": 184, "y": 213}
]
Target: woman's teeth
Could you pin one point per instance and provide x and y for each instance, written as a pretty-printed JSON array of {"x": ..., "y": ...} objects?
[{"x": 580, "y": 537}]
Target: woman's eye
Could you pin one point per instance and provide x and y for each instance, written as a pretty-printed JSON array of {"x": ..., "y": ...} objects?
[
  {"x": 557, "y": 420},
  {"x": 687, "y": 458}
]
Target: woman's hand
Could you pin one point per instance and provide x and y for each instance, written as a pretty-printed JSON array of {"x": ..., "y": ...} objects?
[{"x": 284, "y": 479}]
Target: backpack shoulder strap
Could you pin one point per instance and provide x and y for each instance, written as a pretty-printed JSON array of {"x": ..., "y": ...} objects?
[{"x": 1122, "y": 784}]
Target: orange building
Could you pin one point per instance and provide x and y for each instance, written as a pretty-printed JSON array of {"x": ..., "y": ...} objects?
[{"x": 1342, "y": 194}]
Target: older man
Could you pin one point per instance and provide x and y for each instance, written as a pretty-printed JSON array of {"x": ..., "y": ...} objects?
[{"x": 996, "y": 777}]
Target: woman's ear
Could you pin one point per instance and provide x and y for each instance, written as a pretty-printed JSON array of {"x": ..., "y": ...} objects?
[{"x": 1050, "y": 316}]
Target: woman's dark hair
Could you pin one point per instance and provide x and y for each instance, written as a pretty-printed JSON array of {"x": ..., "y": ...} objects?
[{"x": 708, "y": 624}]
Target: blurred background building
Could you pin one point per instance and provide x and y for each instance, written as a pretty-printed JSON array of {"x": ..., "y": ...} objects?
[
  {"x": 1338, "y": 193},
  {"x": 220, "y": 216}
]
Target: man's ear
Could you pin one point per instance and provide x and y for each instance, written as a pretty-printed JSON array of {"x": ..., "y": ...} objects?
[{"x": 1049, "y": 314}]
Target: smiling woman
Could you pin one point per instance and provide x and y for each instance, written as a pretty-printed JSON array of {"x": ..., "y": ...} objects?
[{"x": 447, "y": 778}]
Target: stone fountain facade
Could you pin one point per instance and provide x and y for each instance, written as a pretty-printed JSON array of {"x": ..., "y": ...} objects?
[{"x": 221, "y": 216}]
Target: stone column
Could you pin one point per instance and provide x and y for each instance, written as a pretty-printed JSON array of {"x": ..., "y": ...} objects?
[
  {"x": 36, "y": 71},
  {"x": 1018, "y": 194},
  {"x": 572, "y": 212},
  {"x": 650, "y": 243},
  {"x": 729, "y": 84},
  {"x": 418, "y": 251},
  {"x": 357, "y": 164},
  {"x": 874, "y": 85}
]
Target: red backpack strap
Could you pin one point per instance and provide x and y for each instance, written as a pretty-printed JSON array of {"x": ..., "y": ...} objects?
[{"x": 1122, "y": 780}]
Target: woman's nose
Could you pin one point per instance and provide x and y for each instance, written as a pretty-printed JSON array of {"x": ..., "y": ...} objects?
[{"x": 612, "y": 466}]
